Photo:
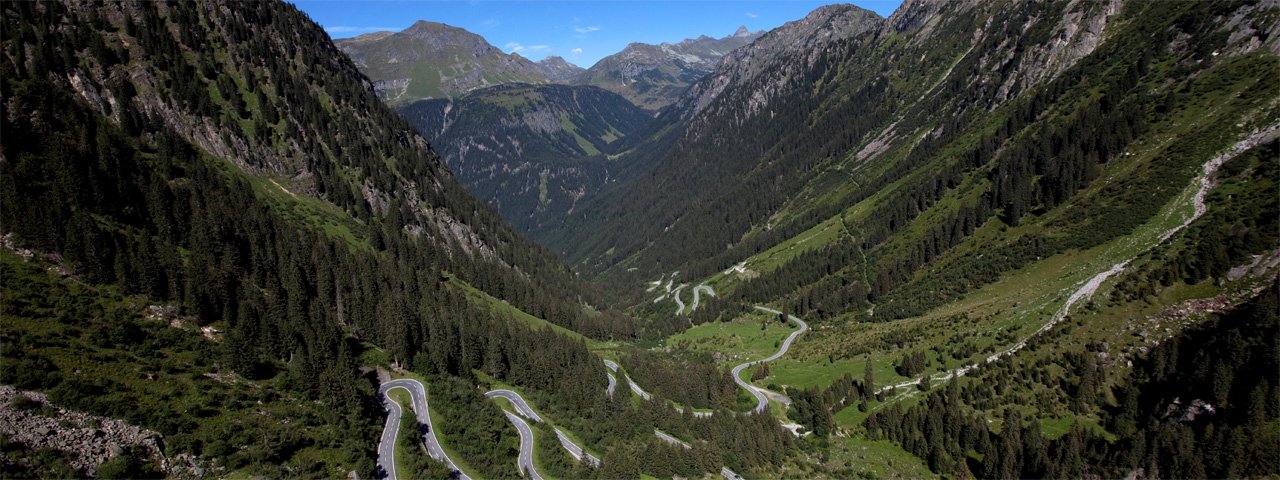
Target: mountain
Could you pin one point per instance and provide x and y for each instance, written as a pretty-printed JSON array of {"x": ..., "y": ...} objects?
[
  {"x": 558, "y": 70},
  {"x": 216, "y": 230},
  {"x": 997, "y": 239},
  {"x": 652, "y": 76},
  {"x": 665, "y": 187},
  {"x": 989, "y": 213},
  {"x": 929, "y": 143},
  {"x": 530, "y": 151},
  {"x": 434, "y": 60}
]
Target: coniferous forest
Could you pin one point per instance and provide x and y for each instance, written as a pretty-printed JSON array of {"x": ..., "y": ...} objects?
[{"x": 999, "y": 239}]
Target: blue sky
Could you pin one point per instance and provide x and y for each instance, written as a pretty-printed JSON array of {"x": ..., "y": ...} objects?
[{"x": 580, "y": 31}]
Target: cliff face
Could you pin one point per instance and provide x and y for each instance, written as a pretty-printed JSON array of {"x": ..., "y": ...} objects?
[{"x": 653, "y": 76}]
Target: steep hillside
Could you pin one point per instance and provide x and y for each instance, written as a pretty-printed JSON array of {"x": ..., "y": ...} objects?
[
  {"x": 652, "y": 76},
  {"x": 434, "y": 60},
  {"x": 1003, "y": 221},
  {"x": 530, "y": 151},
  {"x": 689, "y": 157},
  {"x": 228, "y": 167}
]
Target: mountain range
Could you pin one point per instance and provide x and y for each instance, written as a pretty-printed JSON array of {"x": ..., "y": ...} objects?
[
  {"x": 998, "y": 239},
  {"x": 434, "y": 60}
]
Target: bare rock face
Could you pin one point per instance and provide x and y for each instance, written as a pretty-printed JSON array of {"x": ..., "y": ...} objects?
[
  {"x": 29, "y": 419},
  {"x": 654, "y": 76},
  {"x": 781, "y": 53}
]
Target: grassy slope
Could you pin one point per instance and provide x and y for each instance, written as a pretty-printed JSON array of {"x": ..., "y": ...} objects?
[
  {"x": 157, "y": 376},
  {"x": 994, "y": 316}
]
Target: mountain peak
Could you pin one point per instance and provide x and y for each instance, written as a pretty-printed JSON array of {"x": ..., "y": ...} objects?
[
  {"x": 435, "y": 60},
  {"x": 741, "y": 32},
  {"x": 557, "y": 69}
]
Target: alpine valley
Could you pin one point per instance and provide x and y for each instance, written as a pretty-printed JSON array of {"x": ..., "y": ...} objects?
[{"x": 995, "y": 239}]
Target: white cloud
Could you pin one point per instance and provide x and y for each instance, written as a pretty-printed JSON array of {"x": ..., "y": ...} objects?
[
  {"x": 576, "y": 51},
  {"x": 752, "y": 15},
  {"x": 351, "y": 29},
  {"x": 514, "y": 47},
  {"x": 586, "y": 29},
  {"x": 490, "y": 23}
]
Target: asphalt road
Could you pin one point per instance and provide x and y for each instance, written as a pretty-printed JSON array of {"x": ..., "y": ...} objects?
[
  {"x": 522, "y": 407},
  {"x": 576, "y": 450},
  {"x": 762, "y": 402},
  {"x": 525, "y": 461},
  {"x": 386, "y": 446},
  {"x": 696, "y": 291},
  {"x": 636, "y": 388},
  {"x": 670, "y": 439}
]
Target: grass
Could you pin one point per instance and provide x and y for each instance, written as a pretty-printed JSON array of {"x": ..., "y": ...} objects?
[
  {"x": 547, "y": 427},
  {"x": 1020, "y": 302},
  {"x": 105, "y": 358},
  {"x": 309, "y": 211},
  {"x": 501, "y": 307},
  {"x": 435, "y": 422},
  {"x": 739, "y": 340},
  {"x": 1055, "y": 427},
  {"x": 572, "y": 129},
  {"x": 853, "y": 457}
]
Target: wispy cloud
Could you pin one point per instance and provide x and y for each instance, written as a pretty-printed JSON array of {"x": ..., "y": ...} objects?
[
  {"x": 490, "y": 23},
  {"x": 352, "y": 29},
  {"x": 752, "y": 15},
  {"x": 576, "y": 51},
  {"x": 514, "y": 47},
  {"x": 586, "y": 29}
]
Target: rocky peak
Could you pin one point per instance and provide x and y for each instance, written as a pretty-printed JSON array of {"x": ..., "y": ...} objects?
[
  {"x": 795, "y": 41},
  {"x": 558, "y": 70},
  {"x": 434, "y": 60},
  {"x": 441, "y": 35},
  {"x": 653, "y": 76}
]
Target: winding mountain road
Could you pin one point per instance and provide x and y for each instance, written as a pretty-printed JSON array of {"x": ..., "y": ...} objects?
[
  {"x": 696, "y": 291},
  {"x": 679, "y": 303},
  {"x": 523, "y": 408},
  {"x": 525, "y": 460},
  {"x": 386, "y": 446},
  {"x": 762, "y": 401},
  {"x": 1205, "y": 182},
  {"x": 670, "y": 439},
  {"x": 576, "y": 450}
]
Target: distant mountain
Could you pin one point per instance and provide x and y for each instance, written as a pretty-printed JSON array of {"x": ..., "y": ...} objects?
[
  {"x": 531, "y": 151},
  {"x": 654, "y": 76},
  {"x": 434, "y": 60},
  {"x": 558, "y": 70}
]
